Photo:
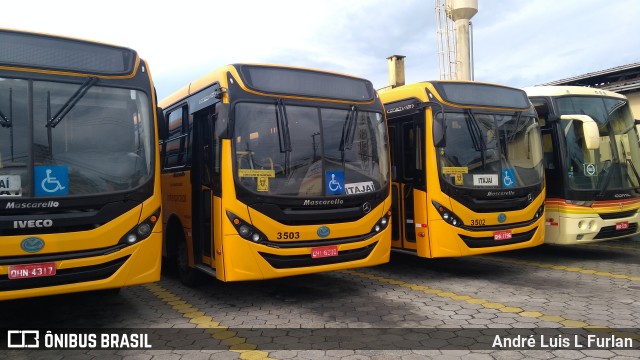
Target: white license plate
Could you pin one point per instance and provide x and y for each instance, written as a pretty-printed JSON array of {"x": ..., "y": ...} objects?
[{"x": 10, "y": 183}]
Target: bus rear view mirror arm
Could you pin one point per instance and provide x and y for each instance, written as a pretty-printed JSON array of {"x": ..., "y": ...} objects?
[{"x": 589, "y": 129}]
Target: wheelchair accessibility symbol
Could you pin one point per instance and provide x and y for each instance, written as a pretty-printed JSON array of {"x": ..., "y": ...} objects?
[
  {"x": 335, "y": 182},
  {"x": 508, "y": 178},
  {"x": 51, "y": 180}
]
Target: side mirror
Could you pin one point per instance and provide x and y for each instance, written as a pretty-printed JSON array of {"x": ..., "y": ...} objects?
[
  {"x": 589, "y": 129},
  {"x": 162, "y": 124},
  {"x": 439, "y": 130}
]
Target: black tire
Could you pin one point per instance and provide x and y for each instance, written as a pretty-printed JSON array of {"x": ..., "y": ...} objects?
[
  {"x": 112, "y": 292},
  {"x": 187, "y": 275},
  {"x": 107, "y": 292}
]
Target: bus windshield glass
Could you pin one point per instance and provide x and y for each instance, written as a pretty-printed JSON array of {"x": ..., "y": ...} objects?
[
  {"x": 309, "y": 151},
  {"x": 101, "y": 143},
  {"x": 614, "y": 165},
  {"x": 491, "y": 150}
]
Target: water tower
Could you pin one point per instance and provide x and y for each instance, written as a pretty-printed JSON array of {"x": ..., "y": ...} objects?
[
  {"x": 453, "y": 29},
  {"x": 461, "y": 13}
]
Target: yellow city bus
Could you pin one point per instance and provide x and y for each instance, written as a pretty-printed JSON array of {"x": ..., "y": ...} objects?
[
  {"x": 467, "y": 169},
  {"x": 592, "y": 162},
  {"x": 271, "y": 171},
  {"x": 79, "y": 170}
]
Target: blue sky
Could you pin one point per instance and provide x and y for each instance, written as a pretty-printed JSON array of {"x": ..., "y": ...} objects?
[{"x": 516, "y": 42}]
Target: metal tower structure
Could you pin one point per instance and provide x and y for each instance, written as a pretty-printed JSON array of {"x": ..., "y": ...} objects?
[
  {"x": 446, "y": 40},
  {"x": 454, "y": 45}
]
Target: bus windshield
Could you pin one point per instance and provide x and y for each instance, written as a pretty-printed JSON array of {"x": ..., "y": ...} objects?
[
  {"x": 101, "y": 142},
  {"x": 491, "y": 150},
  {"x": 309, "y": 151},
  {"x": 614, "y": 165}
]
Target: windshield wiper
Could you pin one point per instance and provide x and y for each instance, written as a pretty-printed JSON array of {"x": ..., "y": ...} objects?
[
  {"x": 476, "y": 136},
  {"x": 73, "y": 100},
  {"x": 284, "y": 138},
  {"x": 633, "y": 167},
  {"x": 515, "y": 129},
  {"x": 348, "y": 129},
  {"x": 615, "y": 161},
  {"x": 53, "y": 121},
  {"x": 614, "y": 149}
]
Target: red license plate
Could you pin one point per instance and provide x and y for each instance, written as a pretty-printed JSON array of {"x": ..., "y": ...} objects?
[
  {"x": 502, "y": 235},
  {"x": 324, "y": 251},
  {"x": 32, "y": 270},
  {"x": 622, "y": 225}
]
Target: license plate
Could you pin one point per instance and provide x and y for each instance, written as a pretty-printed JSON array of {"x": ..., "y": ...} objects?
[
  {"x": 324, "y": 251},
  {"x": 10, "y": 183},
  {"x": 502, "y": 235},
  {"x": 32, "y": 270},
  {"x": 622, "y": 225}
]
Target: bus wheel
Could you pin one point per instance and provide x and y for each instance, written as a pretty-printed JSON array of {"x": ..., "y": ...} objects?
[
  {"x": 111, "y": 292},
  {"x": 108, "y": 292},
  {"x": 188, "y": 275}
]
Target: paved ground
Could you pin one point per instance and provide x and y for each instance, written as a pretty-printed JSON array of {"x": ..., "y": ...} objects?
[{"x": 410, "y": 309}]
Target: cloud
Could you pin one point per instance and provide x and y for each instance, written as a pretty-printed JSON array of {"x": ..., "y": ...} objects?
[
  {"x": 517, "y": 43},
  {"x": 528, "y": 43}
]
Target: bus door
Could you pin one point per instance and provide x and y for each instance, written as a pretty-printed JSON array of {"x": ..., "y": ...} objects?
[
  {"x": 405, "y": 135},
  {"x": 202, "y": 185}
]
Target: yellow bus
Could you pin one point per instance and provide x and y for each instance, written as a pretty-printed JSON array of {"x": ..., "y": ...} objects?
[
  {"x": 79, "y": 170},
  {"x": 592, "y": 160},
  {"x": 467, "y": 169},
  {"x": 271, "y": 171}
]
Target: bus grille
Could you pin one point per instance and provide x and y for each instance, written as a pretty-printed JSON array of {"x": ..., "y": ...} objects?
[
  {"x": 71, "y": 255},
  {"x": 483, "y": 242},
  {"x": 618, "y": 215},
  {"x": 65, "y": 276},
  {"x": 608, "y": 232},
  {"x": 297, "y": 261}
]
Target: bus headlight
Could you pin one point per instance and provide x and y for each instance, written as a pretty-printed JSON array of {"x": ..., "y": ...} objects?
[
  {"x": 142, "y": 230},
  {"x": 244, "y": 229},
  {"x": 539, "y": 212},
  {"x": 447, "y": 215},
  {"x": 380, "y": 225}
]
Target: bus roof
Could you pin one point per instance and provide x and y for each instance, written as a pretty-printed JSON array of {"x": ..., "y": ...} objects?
[
  {"x": 569, "y": 90},
  {"x": 32, "y": 50},
  {"x": 460, "y": 93},
  {"x": 268, "y": 79}
]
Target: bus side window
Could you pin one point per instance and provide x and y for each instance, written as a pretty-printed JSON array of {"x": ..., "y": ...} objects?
[
  {"x": 408, "y": 151},
  {"x": 542, "y": 108},
  {"x": 547, "y": 146},
  {"x": 392, "y": 145},
  {"x": 175, "y": 145}
]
